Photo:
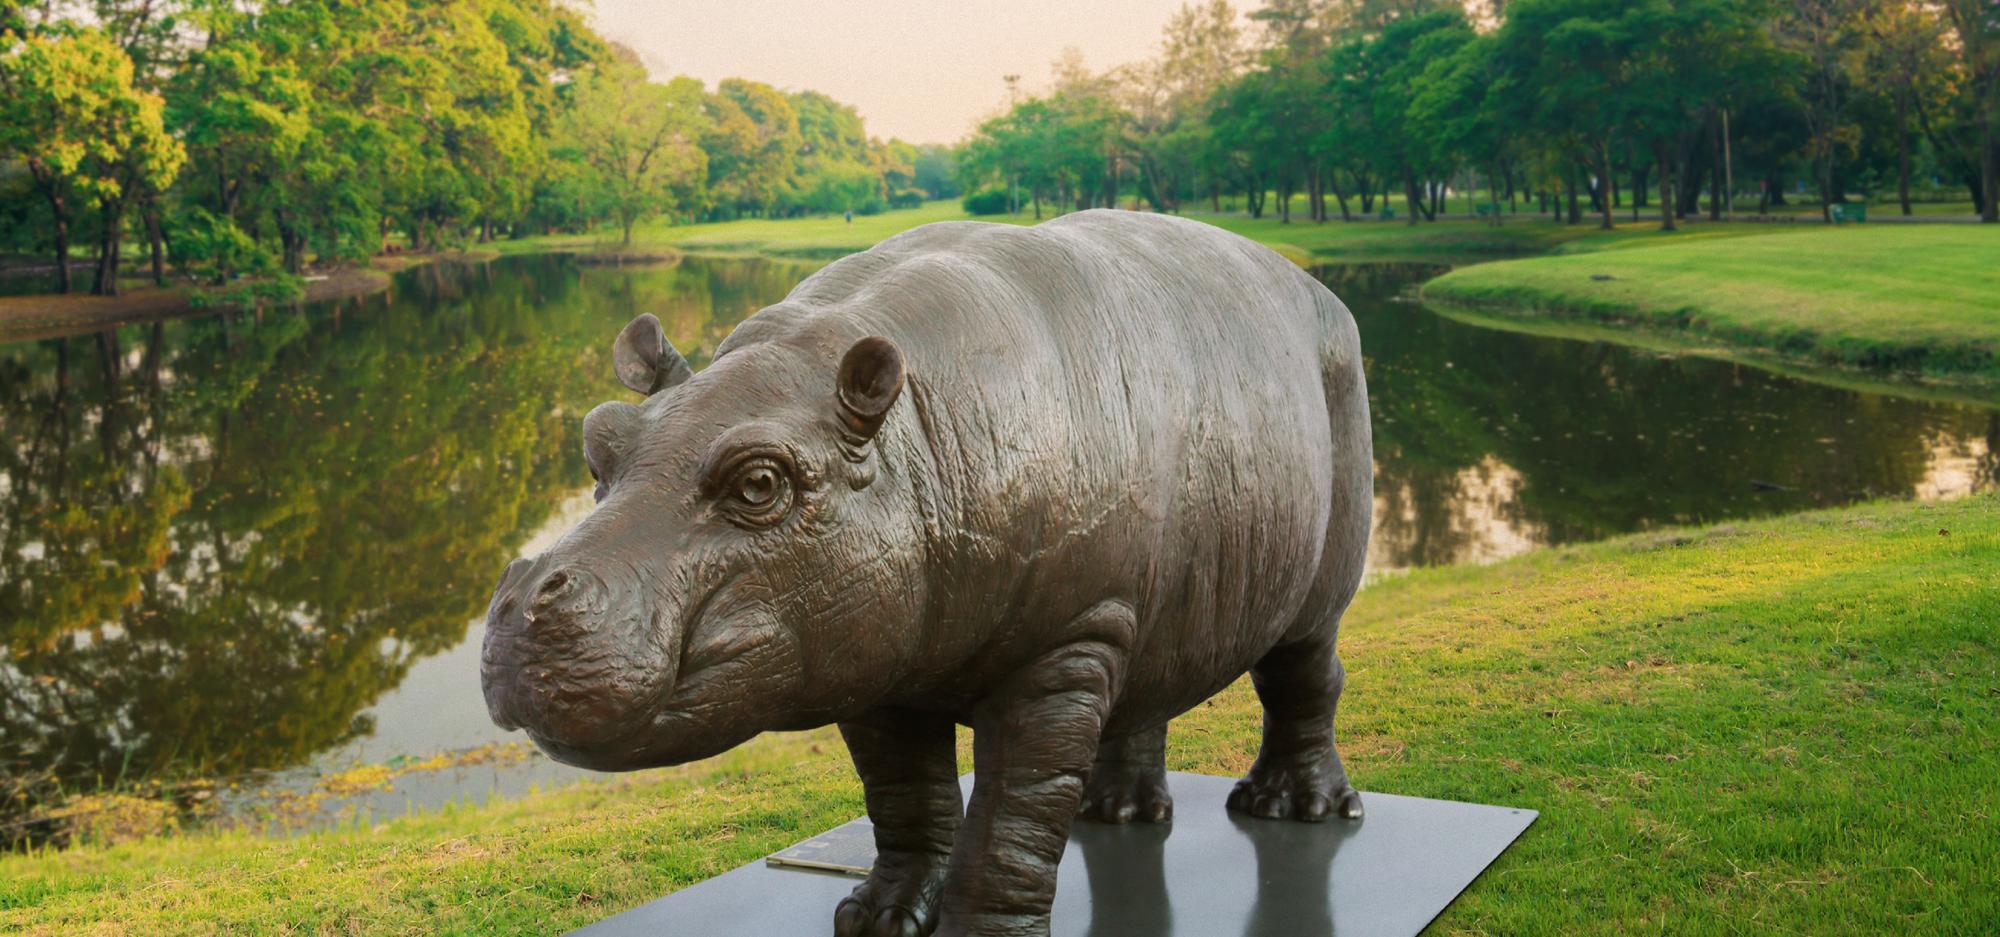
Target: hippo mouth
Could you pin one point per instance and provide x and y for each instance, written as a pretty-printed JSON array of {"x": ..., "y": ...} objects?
[
  {"x": 735, "y": 678},
  {"x": 586, "y": 695}
]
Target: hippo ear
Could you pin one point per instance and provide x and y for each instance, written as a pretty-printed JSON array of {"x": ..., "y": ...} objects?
[
  {"x": 644, "y": 360},
  {"x": 871, "y": 377}
]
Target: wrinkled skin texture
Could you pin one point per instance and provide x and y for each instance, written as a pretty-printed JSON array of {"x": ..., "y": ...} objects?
[{"x": 1058, "y": 484}]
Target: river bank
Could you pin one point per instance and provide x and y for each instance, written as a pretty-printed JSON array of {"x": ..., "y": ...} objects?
[
  {"x": 1899, "y": 310},
  {"x": 1788, "y": 720},
  {"x": 1915, "y": 303},
  {"x": 51, "y": 315}
]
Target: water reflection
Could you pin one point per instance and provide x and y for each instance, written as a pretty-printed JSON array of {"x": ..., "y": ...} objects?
[
  {"x": 1488, "y": 443},
  {"x": 225, "y": 540},
  {"x": 221, "y": 540}
]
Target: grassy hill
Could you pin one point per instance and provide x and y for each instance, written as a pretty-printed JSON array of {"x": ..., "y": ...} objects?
[{"x": 1914, "y": 299}]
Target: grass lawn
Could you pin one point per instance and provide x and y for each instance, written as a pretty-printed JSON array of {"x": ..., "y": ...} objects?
[
  {"x": 1304, "y": 241},
  {"x": 1918, "y": 299},
  {"x": 1786, "y": 726}
]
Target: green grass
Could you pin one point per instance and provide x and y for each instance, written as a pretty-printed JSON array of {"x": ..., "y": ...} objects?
[
  {"x": 1919, "y": 300},
  {"x": 1786, "y": 726},
  {"x": 1449, "y": 241}
]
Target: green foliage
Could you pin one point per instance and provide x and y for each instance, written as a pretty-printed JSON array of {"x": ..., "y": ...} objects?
[
  {"x": 986, "y": 202},
  {"x": 327, "y": 131},
  {"x": 640, "y": 141},
  {"x": 213, "y": 249},
  {"x": 70, "y": 112}
]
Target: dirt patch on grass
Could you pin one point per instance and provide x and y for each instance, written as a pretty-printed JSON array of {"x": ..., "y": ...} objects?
[{"x": 27, "y": 318}]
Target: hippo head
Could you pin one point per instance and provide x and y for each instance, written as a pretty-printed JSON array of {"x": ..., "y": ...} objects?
[{"x": 744, "y": 569}]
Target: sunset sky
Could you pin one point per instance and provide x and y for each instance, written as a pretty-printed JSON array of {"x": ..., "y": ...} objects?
[{"x": 921, "y": 70}]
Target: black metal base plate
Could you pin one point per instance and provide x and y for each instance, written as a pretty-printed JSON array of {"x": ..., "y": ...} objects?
[{"x": 1209, "y": 873}]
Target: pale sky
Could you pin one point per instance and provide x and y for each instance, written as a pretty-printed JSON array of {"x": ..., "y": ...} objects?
[{"x": 924, "y": 70}]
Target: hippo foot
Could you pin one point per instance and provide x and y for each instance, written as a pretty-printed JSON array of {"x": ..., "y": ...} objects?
[
  {"x": 1309, "y": 794},
  {"x": 899, "y": 899},
  {"x": 1126, "y": 795}
]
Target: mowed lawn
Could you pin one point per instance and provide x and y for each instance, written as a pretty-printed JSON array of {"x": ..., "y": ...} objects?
[
  {"x": 1785, "y": 726},
  {"x": 1454, "y": 240},
  {"x": 1911, "y": 298}
]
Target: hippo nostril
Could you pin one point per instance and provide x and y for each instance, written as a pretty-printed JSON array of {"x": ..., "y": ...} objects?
[{"x": 555, "y": 583}]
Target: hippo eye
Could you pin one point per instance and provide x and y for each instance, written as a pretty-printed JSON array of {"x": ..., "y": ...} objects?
[
  {"x": 758, "y": 486},
  {"x": 759, "y": 492}
]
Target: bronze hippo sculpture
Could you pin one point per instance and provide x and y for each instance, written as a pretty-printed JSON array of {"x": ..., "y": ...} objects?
[{"x": 1059, "y": 484}]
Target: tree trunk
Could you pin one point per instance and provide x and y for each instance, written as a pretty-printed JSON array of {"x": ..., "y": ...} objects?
[
  {"x": 108, "y": 248},
  {"x": 59, "y": 211},
  {"x": 1715, "y": 170},
  {"x": 156, "y": 242},
  {"x": 1605, "y": 183},
  {"x": 1569, "y": 186},
  {"x": 1989, "y": 170},
  {"x": 1903, "y": 150},
  {"x": 1728, "y": 172},
  {"x": 1665, "y": 169},
  {"x": 1412, "y": 196}
]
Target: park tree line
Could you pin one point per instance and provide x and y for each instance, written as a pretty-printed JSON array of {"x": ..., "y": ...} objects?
[
  {"x": 1578, "y": 107},
  {"x": 223, "y": 138}
]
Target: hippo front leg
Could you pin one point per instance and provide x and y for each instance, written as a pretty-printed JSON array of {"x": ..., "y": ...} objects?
[
  {"x": 908, "y": 762},
  {"x": 1033, "y": 743}
]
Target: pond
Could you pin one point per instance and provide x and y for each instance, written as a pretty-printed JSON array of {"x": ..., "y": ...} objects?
[{"x": 257, "y": 548}]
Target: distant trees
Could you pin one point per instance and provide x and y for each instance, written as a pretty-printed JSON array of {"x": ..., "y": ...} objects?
[
  {"x": 236, "y": 138},
  {"x": 1971, "y": 134},
  {"x": 88, "y": 136},
  {"x": 640, "y": 140},
  {"x": 1582, "y": 104}
]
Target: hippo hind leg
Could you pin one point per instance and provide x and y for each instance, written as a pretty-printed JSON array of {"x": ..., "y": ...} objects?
[
  {"x": 1128, "y": 781},
  {"x": 1298, "y": 774}
]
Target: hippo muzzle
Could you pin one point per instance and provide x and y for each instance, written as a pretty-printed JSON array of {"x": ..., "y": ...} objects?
[{"x": 574, "y": 654}]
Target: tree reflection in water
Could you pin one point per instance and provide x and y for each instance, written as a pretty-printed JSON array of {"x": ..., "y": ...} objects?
[
  {"x": 219, "y": 546},
  {"x": 1490, "y": 442}
]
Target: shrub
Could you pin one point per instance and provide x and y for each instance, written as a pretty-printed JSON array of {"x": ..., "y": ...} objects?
[{"x": 986, "y": 202}]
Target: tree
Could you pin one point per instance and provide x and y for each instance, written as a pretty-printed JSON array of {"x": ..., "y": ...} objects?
[
  {"x": 70, "y": 113},
  {"x": 1826, "y": 35},
  {"x": 1907, "y": 49},
  {"x": 640, "y": 139},
  {"x": 752, "y": 144},
  {"x": 1975, "y": 26},
  {"x": 935, "y": 171},
  {"x": 1201, "y": 49}
]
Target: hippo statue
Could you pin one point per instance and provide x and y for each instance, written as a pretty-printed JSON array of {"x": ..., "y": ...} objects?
[{"x": 1058, "y": 484}]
